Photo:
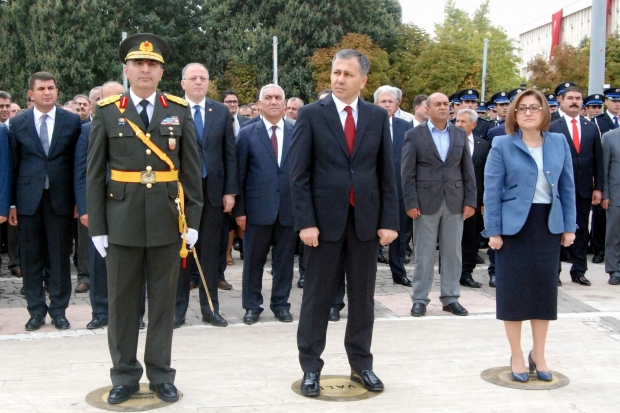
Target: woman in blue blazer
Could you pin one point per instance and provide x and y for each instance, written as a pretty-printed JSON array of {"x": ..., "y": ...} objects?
[{"x": 529, "y": 212}]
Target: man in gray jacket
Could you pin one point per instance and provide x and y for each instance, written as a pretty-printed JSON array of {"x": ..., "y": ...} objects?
[{"x": 611, "y": 203}]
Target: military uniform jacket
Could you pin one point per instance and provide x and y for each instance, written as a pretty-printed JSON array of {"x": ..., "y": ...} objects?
[{"x": 131, "y": 214}]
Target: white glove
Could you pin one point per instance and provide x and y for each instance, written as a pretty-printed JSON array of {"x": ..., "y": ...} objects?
[
  {"x": 101, "y": 243},
  {"x": 192, "y": 237}
]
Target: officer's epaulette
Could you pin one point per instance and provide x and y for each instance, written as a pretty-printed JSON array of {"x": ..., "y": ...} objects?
[
  {"x": 109, "y": 99},
  {"x": 176, "y": 99}
]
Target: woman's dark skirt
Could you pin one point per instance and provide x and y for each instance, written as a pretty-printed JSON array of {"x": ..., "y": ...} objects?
[{"x": 526, "y": 270}]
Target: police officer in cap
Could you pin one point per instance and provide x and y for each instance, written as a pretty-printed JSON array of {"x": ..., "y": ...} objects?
[
  {"x": 469, "y": 100},
  {"x": 455, "y": 104},
  {"x": 559, "y": 90},
  {"x": 491, "y": 112},
  {"x": 143, "y": 218},
  {"x": 481, "y": 110},
  {"x": 594, "y": 105},
  {"x": 553, "y": 103}
]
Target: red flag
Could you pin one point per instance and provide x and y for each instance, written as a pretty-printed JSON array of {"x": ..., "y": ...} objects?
[
  {"x": 608, "y": 16},
  {"x": 556, "y": 31}
]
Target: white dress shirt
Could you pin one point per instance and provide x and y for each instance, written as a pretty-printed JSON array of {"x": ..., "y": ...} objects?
[
  {"x": 391, "y": 129},
  {"x": 470, "y": 139},
  {"x": 237, "y": 125},
  {"x": 569, "y": 124},
  {"x": 611, "y": 116},
  {"x": 50, "y": 121},
  {"x": 279, "y": 135},
  {"x": 340, "y": 105},
  {"x": 136, "y": 102}
]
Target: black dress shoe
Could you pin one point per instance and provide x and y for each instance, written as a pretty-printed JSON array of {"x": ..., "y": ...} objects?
[
  {"x": 283, "y": 316},
  {"x": 61, "y": 322},
  {"x": 598, "y": 258},
  {"x": 165, "y": 391},
  {"x": 480, "y": 260},
  {"x": 122, "y": 393},
  {"x": 141, "y": 324},
  {"x": 310, "y": 384},
  {"x": 582, "y": 280},
  {"x": 300, "y": 283},
  {"x": 469, "y": 282},
  {"x": 614, "y": 279},
  {"x": 455, "y": 308},
  {"x": 251, "y": 316},
  {"x": 492, "y": 281},
  {"x": 178, "y": 322},
  {"x": 418, "y": 310},
  {"x": 97, "y": 322},
  {"x": 215, "y": 320},
  {"x": 368, "y": 378},
  {"x": 559, "y": 282},
  {"x": 35, "y": 322},
  {"x": 334, "y": 314},
  {"x": 381, "y": 259},
  {"x": 403, "y": 280}
]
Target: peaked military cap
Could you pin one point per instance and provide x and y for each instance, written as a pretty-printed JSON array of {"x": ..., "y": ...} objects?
[
  {"x": 560, "y": 89},
  {"x": 514, "y": 92},
  {"x": 594, "y": 100},
  {"x": 552, "y": 100},
  {"x": 454, "y": 98},
  {"x": 500, "y": 97},
  {"x": 613, "y": 93},
  {"x": 144, "y": 46},
  {"x": 469, "y": 94}
]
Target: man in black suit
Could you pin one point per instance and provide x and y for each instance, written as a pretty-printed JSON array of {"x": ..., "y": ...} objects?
[
  {"x": 345, "y": 204},
  {"x": 585, "y": 142},
  {"x": 479, "y": 150},
  {"x": 216, "y": 144},
  {"x": 264, "y": 209},
  {"x": 43, "y": 145}
]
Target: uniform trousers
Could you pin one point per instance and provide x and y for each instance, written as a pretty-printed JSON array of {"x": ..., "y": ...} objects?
[
  {"x": 579, "y": 249},
  {"x": 598, "y": 233},
  {"x": 397, "y": 247}
]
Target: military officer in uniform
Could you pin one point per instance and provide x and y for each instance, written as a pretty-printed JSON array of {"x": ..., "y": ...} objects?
[{"x": 143, "y": 217}]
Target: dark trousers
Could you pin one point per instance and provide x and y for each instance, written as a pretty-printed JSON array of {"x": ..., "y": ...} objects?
[
  {"x": 82, "y": 253},
  {"x": 127, "y": 267},
  {"x": 579, "y": 249},
  {"x": 258, "y": 239},
  {"x": 397, "y": 247},
  {"x": 470, "y": 243},
  {"x": 208, "y": 250},
  {"x": 599, "y": 225},
  {"x": 226, "y": 228},
  {"x": 12, "y": 242},
  {"x": 98, "y": 281},
  {"x": 323, "y": 269},
  {"x": 36, "y": 231}
]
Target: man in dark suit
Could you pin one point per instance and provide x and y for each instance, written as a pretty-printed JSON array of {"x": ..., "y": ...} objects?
[
  {"x": 216, "y": 144},
  {"x": 345, "y": 204},
  {"x": 6, "y": 176},
  {"x": 42, "y": 146},
  {"x": 386, "y": 97},
  {"x": 440, "y": 192},
  {"x": 264, "y": 209},
  {"x": 479, "y": 150},
  {"x": 585, "y": 143},
  {"x": 148, "y": 140}
]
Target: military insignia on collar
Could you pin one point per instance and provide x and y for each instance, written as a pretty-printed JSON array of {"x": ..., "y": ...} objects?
[
  {"x": 172, "y": 144},
  {"x": 163, "y": 101}
]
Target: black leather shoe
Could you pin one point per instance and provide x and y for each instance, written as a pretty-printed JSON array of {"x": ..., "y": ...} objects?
[
  {"x": 469, "y": 282},
  {"x": 165, "y": 391},
  {"x": 614, "y": 279},
  {"x": 97, "y": 322},
  {"x": 368, "y": 378},
  {"x": 418, "y": 310},
  {"x": 559, "y": 282},
  {"x": 141, "y": 324},
  {"x": 122, "y": 393},
  {"x": 492, "y": 281},
  {"x": 480, "y": 260},
  {"x": 334, "y": 314},
  {"x": 215, "y": 320},
  {"x": 178, "y": 322},
  {"x": 381, "y": 259},
  {"x": 403, "y": 280},
  {"x": 300, "y": 283},
  {"x": 598, "y": 258},
  {"x": 310, "y": 384},
  {"x": 61, "y": 322},
  {"x": 35, "y": 322},
  {"x": 283, "y": 316},
  {"x": 582, "y": 280},
  {"x": 455, "y": 308},
  {"x": 251, "y": 316}
]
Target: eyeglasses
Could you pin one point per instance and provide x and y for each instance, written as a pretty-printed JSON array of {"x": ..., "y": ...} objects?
[
  {"x": 532, "y": 109},
  {"x": 231, "y": 102}
]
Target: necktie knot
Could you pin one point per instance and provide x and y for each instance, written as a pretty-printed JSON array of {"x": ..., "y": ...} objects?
[
  {"x": 348, "y": 109},
  {"x": 574, "y": 121},
  {"x": 144, "y": 104},
  {"x": 615, "y": 119},
  {"x": 196, "y": 107},
  {"x": 274, "y": 127}
]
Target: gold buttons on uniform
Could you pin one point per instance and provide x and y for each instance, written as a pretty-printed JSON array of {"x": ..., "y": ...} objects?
[
  {"x": 149, "y": 186},
  {"x": 148, "y": 135},
  {"x": 148, "y": 151},
  {"x": 120, "y": 135},
  {"x": 111, "y": 195},
  {"x": 149, "y": 169},
  {"x": 170, "y": 128}
]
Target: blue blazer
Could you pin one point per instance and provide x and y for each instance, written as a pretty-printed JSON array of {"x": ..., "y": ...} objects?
[
  {"x": 79, "y": 177},
  {"x": 264, "y": 188},
  {"x": 495, "y": 131},
  {"x": 510, "y": 181},
  {"x": 6, "y": 172},
  {"x": 399, "y": 127}
]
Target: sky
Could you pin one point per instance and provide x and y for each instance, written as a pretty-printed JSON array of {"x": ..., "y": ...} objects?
[{"x": 511, "y": 15}]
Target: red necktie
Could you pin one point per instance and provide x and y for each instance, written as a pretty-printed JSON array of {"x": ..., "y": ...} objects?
[
  {"x": 575, "y": 135},
  {"x": 349, "y": 134},
  {"x": 274, "y": 140}
]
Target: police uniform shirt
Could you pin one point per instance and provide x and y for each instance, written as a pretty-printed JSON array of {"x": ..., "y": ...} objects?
[
  {"x": 136, "y": 102},
  {"x": 49, "y": 121},
  {"x": 279, "y": 134}
]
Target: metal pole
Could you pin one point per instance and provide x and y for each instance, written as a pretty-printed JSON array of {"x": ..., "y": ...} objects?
[
  {"x": 597, "y": 47},
  {"x": 484, "y": 69},
  {"x": 123, "y": 37},
  {"x": 275, "y": 60}
]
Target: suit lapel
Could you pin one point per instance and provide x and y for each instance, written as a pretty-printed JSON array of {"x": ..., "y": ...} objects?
[
  {"x": 288, "y": 135},
  {"x": 362, "y": 122},
  {"x": 586, "y": 138},
  {"x": 476, "y": 154},
  {"x": 159, "y": 114},
  {"x": 397, "y": 140},
  {"x": 426, "y": 134},
  {"x": 452, "y": 134},
  {"x": 207, "y": 121},
  {"x": 328, "y": 107},
  {"x": 264, "y": 137},
  {"x": 32, "y": 130},
  {"x": 567, "y": 135},
  {"x": 58, "y": 122}
]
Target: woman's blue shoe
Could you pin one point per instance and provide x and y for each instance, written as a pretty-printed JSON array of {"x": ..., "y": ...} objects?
[
  {"x": 542, "y": 375},
  {"x": 520, "y": 377}
]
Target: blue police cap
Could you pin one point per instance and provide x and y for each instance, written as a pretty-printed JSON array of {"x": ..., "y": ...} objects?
[
  {"x": 560, "y": 89},
  {"x": 552, "y": 100},
  {"x": 454, "y": 98},
  {"x": 500, "y": 97},
  {"x": 469, "y": 94},
  {"x": 490, "y": 104},
  {"x": 481, "y": 108},
  {"x": 613, "y": 93},
  {"x": 593, "y": 100},
  {"x": 514, "y": 92}
]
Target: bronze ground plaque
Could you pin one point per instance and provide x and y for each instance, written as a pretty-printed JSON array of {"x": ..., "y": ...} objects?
[
  {"x": 141, "y": 401},
  {"x": 339, "y": 389},
  {"x": 501, "y": 376}
]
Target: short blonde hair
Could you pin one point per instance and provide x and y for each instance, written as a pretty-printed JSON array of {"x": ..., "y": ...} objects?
[{"x": 511, "y": 119}]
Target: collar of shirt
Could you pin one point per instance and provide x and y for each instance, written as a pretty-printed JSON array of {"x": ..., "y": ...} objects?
[
  {"x": 269, "y": 125},
  {"x": 279, "y": 135},
  {"x": 38, "y": 114},
  {"x": 340, "y": 105},
  {"x": 202, "y": 103},
  {"x": 430, "y": 125},
  {"x": 472, "y": 143},
  {"x": 470, "y": 138},
  {"x": 569, "y": 124},
  {"x": 136, "y": 99},
  {"x": 611, "y": 116}
]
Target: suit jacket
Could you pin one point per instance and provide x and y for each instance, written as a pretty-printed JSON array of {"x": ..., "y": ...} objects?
[
  {"x": 611, "y": 167},
  {"x": 555, "y": 116},
  {"x": 6, "y": 172},
  {"x": 79, "y": 180},
  {"x": 132, "y": 214},
  {"x": 588, "y": 163},
  {"x": 265, "y": 190},
  {"x": 218, "y": 153},
  {"x": 479, "y": 159},
  {"x": 427, "y": 179},
  {"x": 510, "y": 181},
  {"x": 604, "y": 123},
  {"x": 399, "y": 128},
  {"x": 322, "y": 172},
  {"x": 495, "y": 131},
  {"x": 251, "y": 121},
  {"x": 31, "y": 165}
]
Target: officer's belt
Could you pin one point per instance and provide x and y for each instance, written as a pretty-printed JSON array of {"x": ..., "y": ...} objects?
[{"x": 144, "y": 177}]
